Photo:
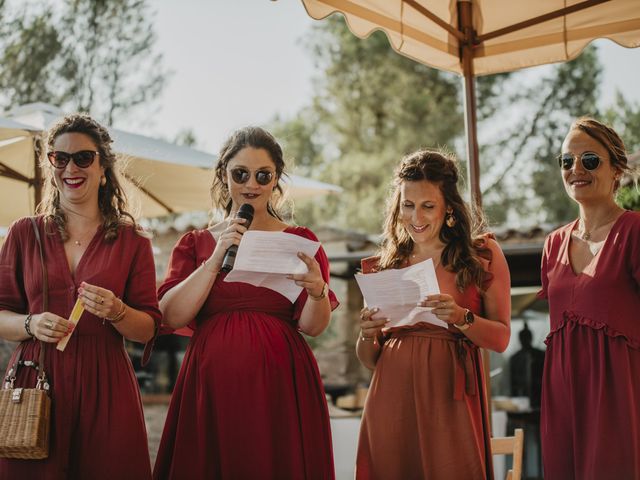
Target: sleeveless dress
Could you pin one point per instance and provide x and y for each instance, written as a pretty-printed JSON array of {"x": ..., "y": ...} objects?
[
  {"x": 97, "y": 425},
  {"x": 425, "y": 416},
  {"x": 248, "y": 402},
  {"x": 590, "y": 410}
]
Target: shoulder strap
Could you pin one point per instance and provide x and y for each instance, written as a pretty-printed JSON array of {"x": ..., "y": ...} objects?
[{"x": 42, "y": 376}]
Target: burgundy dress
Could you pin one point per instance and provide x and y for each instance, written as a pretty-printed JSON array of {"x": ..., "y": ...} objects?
[
  {"x": 97, "y": 428},
  {"x": 590, "y": 418},
  {"x": 248, "y": 402}
]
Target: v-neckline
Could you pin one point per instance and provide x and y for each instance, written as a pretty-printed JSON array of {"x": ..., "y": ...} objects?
[
  {"x": 72, "y": 274},
  {"x": 595, "y": 258}
]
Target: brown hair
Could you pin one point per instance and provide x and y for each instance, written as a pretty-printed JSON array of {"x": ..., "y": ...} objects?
[
  {"x": 462, "y": 241},
  {"x": 112, "y": 200},
  {"x": 254, "y": 137},
  {"x": 609, "y": 139}
]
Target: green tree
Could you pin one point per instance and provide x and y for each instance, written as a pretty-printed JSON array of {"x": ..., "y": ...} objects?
[
  {"x": 371, "y": 107},
  {"x": 95, "y": 56}
]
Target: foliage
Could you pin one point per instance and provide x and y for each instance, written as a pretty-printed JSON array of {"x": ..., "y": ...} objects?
[
  {"x": 371, "y": 106},
  {"x": 629, "y": 197},
  {"x": 86, "y": 55}
]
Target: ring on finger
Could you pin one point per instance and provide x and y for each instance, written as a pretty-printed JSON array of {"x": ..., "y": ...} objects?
[
  {"x": 101, "y": 300},
  {"x": 49, "y": 325}
]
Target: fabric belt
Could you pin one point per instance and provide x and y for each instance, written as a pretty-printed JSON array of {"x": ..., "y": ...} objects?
[{"x": 466, "y": 378}]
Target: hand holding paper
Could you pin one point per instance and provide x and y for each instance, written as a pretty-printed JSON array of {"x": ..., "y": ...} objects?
[
  {"x": 397, "y": 292},
  {"x": 265, "y": 259}
]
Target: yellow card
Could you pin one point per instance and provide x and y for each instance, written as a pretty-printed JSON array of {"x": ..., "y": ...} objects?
[{"x": 76, "y": 313}]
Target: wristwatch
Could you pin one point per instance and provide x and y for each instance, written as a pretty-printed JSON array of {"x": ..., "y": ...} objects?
[
  {"x": 469, "y": 318},
  {"x": 323, "y": 294}
]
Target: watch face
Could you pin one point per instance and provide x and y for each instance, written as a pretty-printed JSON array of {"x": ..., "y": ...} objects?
[{"x": 469, "y": 317}]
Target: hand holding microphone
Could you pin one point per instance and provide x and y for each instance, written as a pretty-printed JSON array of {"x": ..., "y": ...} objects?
[{"x": 245, "y": 212}]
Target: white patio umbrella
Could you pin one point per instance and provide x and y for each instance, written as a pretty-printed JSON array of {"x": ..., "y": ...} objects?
[
  {"x": 163, "y": 177},
  {"x": 480, "y": 37}
]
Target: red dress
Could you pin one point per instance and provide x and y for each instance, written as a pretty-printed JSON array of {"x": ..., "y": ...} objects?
[
  {"x": 590, "y": 412},
  {"x": 97, "y": 428},
  {"x": 248, "y": 402}
]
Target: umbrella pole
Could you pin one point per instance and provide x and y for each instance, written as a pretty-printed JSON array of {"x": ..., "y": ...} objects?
[
  {"x": 470, "y": 116},
  {"x": 471, "y": 124}
]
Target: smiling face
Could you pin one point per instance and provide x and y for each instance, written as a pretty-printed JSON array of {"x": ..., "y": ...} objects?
[
  {"x": 77, "y": 186},
  {"x": 422, "y": 210},
  {"x": 588, "y": 186},
  {"x": 252, "y": 160}
]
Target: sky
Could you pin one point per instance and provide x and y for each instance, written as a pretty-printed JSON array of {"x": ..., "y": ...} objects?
[{"x": 242, "y": 62}]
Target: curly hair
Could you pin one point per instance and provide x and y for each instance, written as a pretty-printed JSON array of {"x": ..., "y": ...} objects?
[
  {"x": 254, "y": 137},
  {"x": 112, "y": 200},
  {"x": 462, "y": 241},
  {"x": 609, "y": 139}
]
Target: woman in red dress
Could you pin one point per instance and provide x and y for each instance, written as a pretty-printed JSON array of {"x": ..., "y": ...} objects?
[
  {"x": 426, "y": 412},
  {"x": 248, "y": 402},
  {"x": 590, "y": 410},
  {"x": 94, "y": 251}
]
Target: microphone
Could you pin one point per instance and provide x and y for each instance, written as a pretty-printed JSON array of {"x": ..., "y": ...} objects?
[{"x": 246, "y": 212}]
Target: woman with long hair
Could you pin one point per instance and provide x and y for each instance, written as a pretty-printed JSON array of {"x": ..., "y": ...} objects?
[
  {"x": 94, "y": 251},
  {"x": 426, "y": 415}
]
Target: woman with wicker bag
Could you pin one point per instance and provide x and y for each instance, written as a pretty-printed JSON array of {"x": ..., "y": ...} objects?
[{"x": 93, "y": 251}]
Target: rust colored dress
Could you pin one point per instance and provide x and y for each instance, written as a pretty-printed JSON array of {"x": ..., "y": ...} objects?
[
  {"x": 248, "y": 402},
  {"x": 590, "y": 411},
  {"x": 425, "y": 416},
  {"x": 97, "y": 428}
]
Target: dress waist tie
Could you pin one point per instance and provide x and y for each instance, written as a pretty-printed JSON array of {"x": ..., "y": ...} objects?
[{"x": 465, "y": 380}]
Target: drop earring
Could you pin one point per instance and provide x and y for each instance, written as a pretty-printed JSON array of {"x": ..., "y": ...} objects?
[
  {"x": 103, "y": 181},
  {"x": 451, "y": 219}
]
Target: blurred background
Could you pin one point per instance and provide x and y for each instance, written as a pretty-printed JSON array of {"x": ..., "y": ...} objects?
[{"x": 173, "y": 79}]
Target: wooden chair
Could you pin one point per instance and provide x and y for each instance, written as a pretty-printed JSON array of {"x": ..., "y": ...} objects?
[{"x": 510, "y": 446}]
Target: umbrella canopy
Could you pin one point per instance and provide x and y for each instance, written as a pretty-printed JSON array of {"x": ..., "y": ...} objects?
[
  {"x": 160, "y": 177},
  {"x": 480, "y": 37}
]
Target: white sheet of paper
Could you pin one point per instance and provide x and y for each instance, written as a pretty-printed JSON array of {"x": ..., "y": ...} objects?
[
  {"x": 396, "y": 293},
  {"x": 264, "y": 259}
]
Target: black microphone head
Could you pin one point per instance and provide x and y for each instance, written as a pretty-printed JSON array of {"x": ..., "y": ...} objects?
[{"x": 246, "y": 212}]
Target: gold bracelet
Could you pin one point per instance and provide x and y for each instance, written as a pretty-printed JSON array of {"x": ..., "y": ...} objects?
[{"x": 120, "y": 315}]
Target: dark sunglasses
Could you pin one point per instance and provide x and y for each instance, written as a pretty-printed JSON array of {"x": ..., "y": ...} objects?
[
  {"x": 242, "y": 175},
  {"x": 83, "y": 158},
  {"x": 590, "y": 161}
]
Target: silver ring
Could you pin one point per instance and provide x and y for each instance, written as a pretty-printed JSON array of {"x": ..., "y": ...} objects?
[
  {"x": 101, "y": 300},
  {"x": 49, "y": 325}
]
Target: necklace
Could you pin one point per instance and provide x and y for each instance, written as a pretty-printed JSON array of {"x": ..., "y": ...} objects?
[{"x": 585, "y": 234}]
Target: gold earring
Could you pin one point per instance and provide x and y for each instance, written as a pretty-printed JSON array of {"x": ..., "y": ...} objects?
[{"x": 451, "y": 219}]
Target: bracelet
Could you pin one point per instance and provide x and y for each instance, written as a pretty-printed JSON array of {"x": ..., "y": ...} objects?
[
  {"x": 120, "y": 315},
  {"x": 323, "y": 294},
  {"x": 204, "y": 266},
  {"x": 367, "y": 339},
  {"x": 27, "y": 325}
]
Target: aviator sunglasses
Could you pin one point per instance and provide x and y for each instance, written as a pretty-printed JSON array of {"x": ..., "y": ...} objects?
[
  {"x": 590, "y": 161},
  {"x": 83, "y": 158},
  {"x": 242, "y": 175}
]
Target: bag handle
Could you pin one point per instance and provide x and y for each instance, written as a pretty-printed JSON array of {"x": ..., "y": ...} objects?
[{"x": 42, "y": 382}]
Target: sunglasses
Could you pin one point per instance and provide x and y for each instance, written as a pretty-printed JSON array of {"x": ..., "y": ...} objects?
[
  {"x": 83, "y": 158},
  {"x": 590, "y": 161},
  {"x": 242, "y": 175}
]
